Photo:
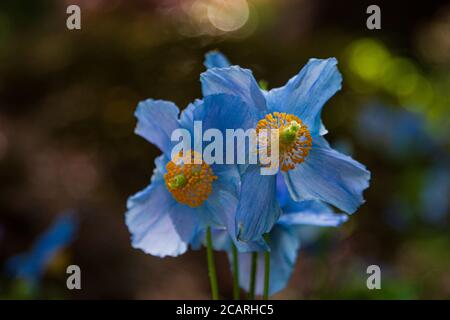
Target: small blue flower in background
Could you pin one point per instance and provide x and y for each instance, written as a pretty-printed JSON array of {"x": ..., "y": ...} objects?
[
  {"x": 284, "y": 241},
  {"x": 312, "y": 170},
  {"x": 31, "y": 265},
  {"x": 165, "y": 217}
]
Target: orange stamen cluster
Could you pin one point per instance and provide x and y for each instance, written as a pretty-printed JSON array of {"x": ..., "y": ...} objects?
[
  {"x": 188, "y": 182},
  {"x": 294, "y": 138}
]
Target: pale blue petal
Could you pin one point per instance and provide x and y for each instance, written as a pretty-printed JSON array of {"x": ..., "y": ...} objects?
[
  {"x": 157, "y": 119},
  {"x": 235, "y": 81},
  {"x": 258, "y": 209},
  {"x": 329, "y": 176},
  {"x": 187, "y": 115},
  {"x": 224, "y": 111},
  {"x": 222, "y": 205},
  {"x": 215, "y": 59},
  {"x": 149, "y": 222},
  {"x": 216, "y": 211},
  {"x": 310, "y": 212},
  {"x": 284, "y": 245},
  {"x": 305, "y": 94}
]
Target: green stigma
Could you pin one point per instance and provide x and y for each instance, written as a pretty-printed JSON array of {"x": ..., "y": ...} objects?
[
  {"x": 289, "y": 134},
  {"x": 179, "y": 181}
]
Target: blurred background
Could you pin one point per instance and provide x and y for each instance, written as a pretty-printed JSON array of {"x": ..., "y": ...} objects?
[{"x": 69, "y": 158}]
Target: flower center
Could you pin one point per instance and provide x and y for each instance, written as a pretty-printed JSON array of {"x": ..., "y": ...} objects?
[
  {"x": 189, "y": 183},
  {"x": 294, "y": 138}
]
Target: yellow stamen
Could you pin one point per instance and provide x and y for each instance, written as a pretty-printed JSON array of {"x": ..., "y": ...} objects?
[
  {"x": 294, "y": 138},
  {"x": 189, "y": 183}
]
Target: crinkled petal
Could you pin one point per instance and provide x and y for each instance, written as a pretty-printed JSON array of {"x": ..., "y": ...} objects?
[
  {"x": 258, "y": 209},
  {"x": 311, "y": 212},
  {"x": 284, "y": 245},
  {"x": 189, "y": 221},
  {"x": 225, "y": 111},
  {"x": 150, "y": 224},
  {"x": 222, "y": 205},
  {"x": 305, "y": 94},
  {"x": 187, "y": 115},
  {"x": 157, "y": 119},
  {"x": 329, "y": 176},
  {"x": 215, "y": 59},
  {"x": 235, "y": 81}
]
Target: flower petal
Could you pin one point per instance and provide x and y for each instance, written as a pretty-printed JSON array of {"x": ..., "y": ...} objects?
[
  {"x": 329, "y": 176},
  {"x": 258, "y": 209},
  {"x": 187, "y": 115},
  {"x": 284, "y": 245},
  {"x": 189, "y": 221},
  {"x": 157, "y": 119},
  {"x": 305, "y": 94},
  {"x": 235, "y": 81},
  {"x": 225, "y": 111},
  {"x": 148, "y": 219},
  {"x": 149, "y": 222},
  {"x": 215, "y": 59},
  {"x": 310, "y": 212}
]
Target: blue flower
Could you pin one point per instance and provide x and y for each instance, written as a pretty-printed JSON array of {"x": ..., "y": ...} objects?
[
  {"x": 182, "y": 199},
  {"x": 312, "y": 170},
  {"x": 284, "y": 240},
  {"x": 30, "y": 266}
]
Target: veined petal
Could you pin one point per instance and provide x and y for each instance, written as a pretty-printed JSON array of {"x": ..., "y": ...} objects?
[
  {"x": 222, "y": 205},
  {"x": 305, "y": 94},
  {"x": 310, "y": 212},
  {"x": 284, "y": 245},
  {"x": 283, "y": 196},
  {"x": 225, "y": 111},
  {"x": 188, "y": 221},
  {"x": 329, "y": 176},
  {"x": 258, "y": 209},
  {"x": 187, "y": 115},
  {"x": 215, "y": 59},
  {"x": 150, "y": 224},
  {"x": 234, "y": 81},
  {"x": 157, "y": 119}
]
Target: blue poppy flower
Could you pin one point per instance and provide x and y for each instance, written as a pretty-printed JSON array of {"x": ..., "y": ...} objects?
[
  {"x": 284, "y": 240},
  {"x": 30, "y": 266},
  {"x": 312, "y": 170},
  {"x": 182, "y": 199}
]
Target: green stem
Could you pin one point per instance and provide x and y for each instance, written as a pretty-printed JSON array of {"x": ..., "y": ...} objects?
[
  {"x": 266, "y": 270},
  {"x": 251, "y": 292},
  {"x": 211, "y": 266},
  {"x": 236, "y": 290}
]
